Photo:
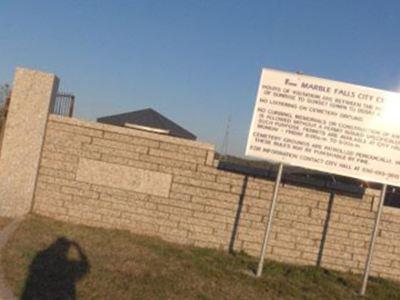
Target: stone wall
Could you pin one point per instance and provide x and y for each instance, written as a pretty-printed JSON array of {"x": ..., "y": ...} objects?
[{"x": 108, "y": 176}]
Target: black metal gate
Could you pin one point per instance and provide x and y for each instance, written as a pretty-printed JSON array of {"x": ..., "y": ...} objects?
[{"x": 63, "y": 105}]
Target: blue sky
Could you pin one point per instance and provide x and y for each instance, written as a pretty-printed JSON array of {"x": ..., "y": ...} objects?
[{"x": 197, "y": 62}]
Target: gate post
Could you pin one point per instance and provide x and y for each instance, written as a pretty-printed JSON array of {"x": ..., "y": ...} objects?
[{"x": 24, "y": 132}]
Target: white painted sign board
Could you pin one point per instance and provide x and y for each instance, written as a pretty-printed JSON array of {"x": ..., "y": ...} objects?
[{"x": 326, "y": 125}]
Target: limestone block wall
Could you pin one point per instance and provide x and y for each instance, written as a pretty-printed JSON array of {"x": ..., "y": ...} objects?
[{"x": 108, "y": 176}]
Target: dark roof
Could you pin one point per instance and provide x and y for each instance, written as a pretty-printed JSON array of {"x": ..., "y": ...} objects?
[{"x": 150, "y": 118}]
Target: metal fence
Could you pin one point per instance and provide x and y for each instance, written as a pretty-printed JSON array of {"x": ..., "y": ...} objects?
[{"x": 63, "y": 105}]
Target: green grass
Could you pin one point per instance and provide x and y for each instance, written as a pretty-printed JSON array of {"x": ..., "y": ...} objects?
[{"x": 128, "y": 266}]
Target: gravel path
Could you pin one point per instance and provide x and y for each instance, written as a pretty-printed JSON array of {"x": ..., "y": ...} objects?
[{"x": 5, "y": 291}]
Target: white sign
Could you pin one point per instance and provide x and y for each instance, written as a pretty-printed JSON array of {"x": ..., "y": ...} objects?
[{"x": 327, "y": 125}]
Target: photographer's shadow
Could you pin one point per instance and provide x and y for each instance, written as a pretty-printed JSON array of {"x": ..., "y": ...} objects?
[{"x": 52, "y": 274}]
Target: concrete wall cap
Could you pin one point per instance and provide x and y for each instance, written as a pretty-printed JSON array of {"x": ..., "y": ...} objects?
[{"x": 130, "y": 132}]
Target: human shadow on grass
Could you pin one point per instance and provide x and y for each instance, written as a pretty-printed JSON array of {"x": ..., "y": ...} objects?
[{"x": 52, "y": 274}]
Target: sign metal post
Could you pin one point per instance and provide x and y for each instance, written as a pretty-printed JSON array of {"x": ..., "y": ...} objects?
[
  {"x": 270, "y": 218},
  {"x": 372, "y": 242}
]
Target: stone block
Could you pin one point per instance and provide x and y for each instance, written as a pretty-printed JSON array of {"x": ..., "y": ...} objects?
[
  {"x": 262, "y": 211},
  {"x": 170, "y": 162},
  {"x": 59, "y": 148},
  {"x": 337, "y": 232},
  {"x": 183, "y": 149},
  {"x": 261, "y": 184},
  {"x": 304, "y": 202},
  {"x": 72, "y": 183},
  {"x": 180, "y": 196},
  {"x": 187, "y": 173},
  {"x": 119, "y": 146},
  {"x": 56, "y": 173},
  {"x": 122, "y": 177},
  {"x": 299, "y": 218},
  {"x": 246, "y": 192},
  {"x": 174, "y": 210},
  {"x": 201, "y": 192},
  {"x": 195, "y": 228},
  {"x": 59, "y": 165},
  {"x": 60, "y": 156},
  {"x": 172, "y": 203},
  {"x": 107, "y": 191},
  {"x": 90, "y": 154},
  {"x": 215, "y": 203},
  {"x": 200, "y": 183},
  {"x": 45, "y": 195},
  {"x": 79, "y": 192},
  {"x": 357, "y": 212},
  {"x": 111, "y": 151},
  {"x": 50, "y": 210},
  {"x": 80, "y": 130},
  {"x": 131, "y": 139},
  {"x": 176, "y": 156},
  {"x": 256, "y": 204},
  {"x": 210, "y": 158},
  {"x": 63, "y": 139},
  {"x": 233, "y": 181},
  {"x": 293, "y": 209},
  {"x": 284, "y": 252},
  {"x": 114, "y": 159}
]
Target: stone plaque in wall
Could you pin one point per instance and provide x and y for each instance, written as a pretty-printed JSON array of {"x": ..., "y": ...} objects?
[{"x": 123, "y": 177}]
